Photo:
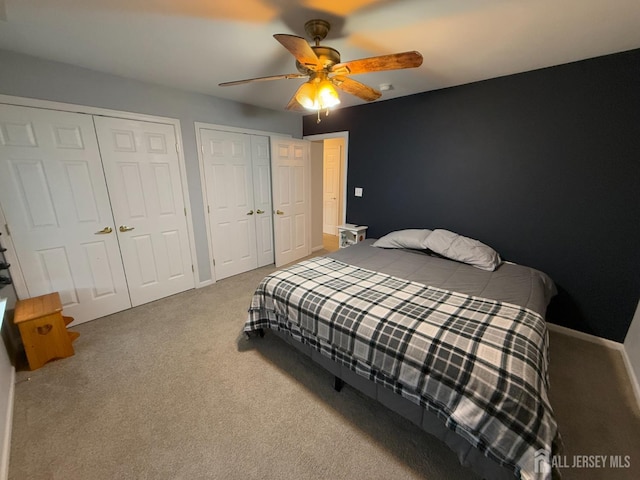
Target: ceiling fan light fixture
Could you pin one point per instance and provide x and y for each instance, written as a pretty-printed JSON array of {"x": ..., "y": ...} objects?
[
  {"x": 327, "y": 95},
  {"x": 317, "y": 95},
  {"x": 307, "y": 96}
]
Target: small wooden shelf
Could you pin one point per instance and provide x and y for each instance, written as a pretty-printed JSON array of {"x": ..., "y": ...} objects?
[
  {"x": 43, "y": 329},
  {"x": 349, "y": 234}
]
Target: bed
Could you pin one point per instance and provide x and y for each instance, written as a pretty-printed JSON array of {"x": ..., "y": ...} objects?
[{"x": 461, "y": 352}]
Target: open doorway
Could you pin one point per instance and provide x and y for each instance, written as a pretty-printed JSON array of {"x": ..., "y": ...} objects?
[{"x": 328, "y": 188}]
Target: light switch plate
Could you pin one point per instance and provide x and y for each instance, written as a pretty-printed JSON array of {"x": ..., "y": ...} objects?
[{"x": 358, "y": 192}]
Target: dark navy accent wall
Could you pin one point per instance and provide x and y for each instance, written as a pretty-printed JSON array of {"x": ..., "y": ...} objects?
[{"x": 544, "y": 166}]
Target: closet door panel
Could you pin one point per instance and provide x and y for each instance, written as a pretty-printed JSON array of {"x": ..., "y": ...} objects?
[
  {"x": 262, "y": 199},
  {"x": 228, "y": 178},
  {"x": 291, "y": 199},
  {"x": 55, "y": 200},
  {"x": 142, "y": 170}
]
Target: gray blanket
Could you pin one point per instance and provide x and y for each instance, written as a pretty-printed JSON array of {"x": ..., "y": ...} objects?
[{"x": 517, "y": 284}]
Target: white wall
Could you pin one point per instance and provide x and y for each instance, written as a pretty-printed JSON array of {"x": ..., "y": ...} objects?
[
  {"x": 25, "y": 76},
  {"x": 632, "y": 349},
  {"x": 7, "y": 378}
]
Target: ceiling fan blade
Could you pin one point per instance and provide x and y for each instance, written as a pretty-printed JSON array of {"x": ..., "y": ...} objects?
[
  {"x": 294, "y": 104},
  {"x": 395, "y": 61},
  {"x": 356, "y": 88},
  {"x": 285, "y": 76},
  {"x": 300, "y": 49}
]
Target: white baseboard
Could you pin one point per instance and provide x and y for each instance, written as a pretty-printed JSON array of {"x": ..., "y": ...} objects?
[
  {"x": 6, "y": 435},
  {"x": 633, "y": 380},
  {"x": 585, "y": 336},
  {"x": 635, "y": 384},
  {"x": 315, "y": 249},
  {"x": 206, "y": 283}
]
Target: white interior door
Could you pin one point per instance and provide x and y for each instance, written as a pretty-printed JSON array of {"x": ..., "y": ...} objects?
[
  {"x": 229, "y": 189},
  {"x": 331, "y": 188},
  {"x": 291, "y": 199},
  {"x": 142, "y": 170},
  {"x": 55, "y": 200},
  {"x": 262, "y": 199}
]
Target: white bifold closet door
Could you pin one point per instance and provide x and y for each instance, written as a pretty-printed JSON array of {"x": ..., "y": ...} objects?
[
  {"x": 142, "y": 170},
  {"x": 238, "y": 193},
  {"x": 262, "y": 199},
  {"x": 105, "y": 242},
  {"x": 291, "y": 199},
  {"x": 55, "y": 201}
]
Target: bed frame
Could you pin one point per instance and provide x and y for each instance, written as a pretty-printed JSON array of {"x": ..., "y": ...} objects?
[{"x": 467, "y": 454}]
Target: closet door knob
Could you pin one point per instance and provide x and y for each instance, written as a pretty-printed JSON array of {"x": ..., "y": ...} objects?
[
  {"x": 124, "y": 228},
  {"x": 279, "y": 212},
  {"x": 250, "y": 212},
  {"x": 104, "y": 231},
  {"x": 259, "y": 212}
]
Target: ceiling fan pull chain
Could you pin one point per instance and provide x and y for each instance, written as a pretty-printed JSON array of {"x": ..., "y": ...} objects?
[{"x": 326, "y": 114}]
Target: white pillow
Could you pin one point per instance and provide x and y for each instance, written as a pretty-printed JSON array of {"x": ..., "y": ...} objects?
[
  {"x": 411, "y": 238},
  {"x": 463, "y": 249}
]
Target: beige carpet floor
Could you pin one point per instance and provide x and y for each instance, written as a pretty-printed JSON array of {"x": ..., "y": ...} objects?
[{"x": 172, "y": 390}]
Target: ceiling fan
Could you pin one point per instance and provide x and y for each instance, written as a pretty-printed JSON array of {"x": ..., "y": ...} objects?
[{"x": 325, "y": 70}]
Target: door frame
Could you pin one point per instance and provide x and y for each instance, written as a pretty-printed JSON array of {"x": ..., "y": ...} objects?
[
  {"x": 344, "y": 135},
  {"x": 16, "y": 274},
  {"x": 203, "y": 187},
  {"x": 338, "y": 195}
]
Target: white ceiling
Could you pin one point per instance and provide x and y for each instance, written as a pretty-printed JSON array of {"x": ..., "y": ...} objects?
[{"x": 195, "y": 44}]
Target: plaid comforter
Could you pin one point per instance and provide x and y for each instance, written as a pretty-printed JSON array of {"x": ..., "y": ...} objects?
[{"x": 480, "y": 365}]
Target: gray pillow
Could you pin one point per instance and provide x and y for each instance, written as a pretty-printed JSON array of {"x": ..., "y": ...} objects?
[
  {"x": 463, "y": 249},
  {"x": 411, "y": 238}
]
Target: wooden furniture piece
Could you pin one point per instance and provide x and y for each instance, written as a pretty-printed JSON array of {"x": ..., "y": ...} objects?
[
  {"x": 43, "y": 329},
  {"x": 349, "y": 234}
]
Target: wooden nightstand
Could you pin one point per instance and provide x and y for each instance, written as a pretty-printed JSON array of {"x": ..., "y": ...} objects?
[{"x": 43, "y": 329}]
